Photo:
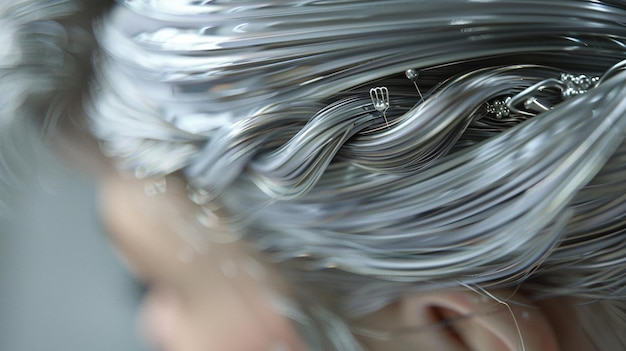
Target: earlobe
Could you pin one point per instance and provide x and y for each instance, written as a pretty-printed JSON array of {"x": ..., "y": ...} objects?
[{"x": 477, "y": 322}]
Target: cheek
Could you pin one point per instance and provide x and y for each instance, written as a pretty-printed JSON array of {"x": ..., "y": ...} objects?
[{"x": 201, "y": 303}]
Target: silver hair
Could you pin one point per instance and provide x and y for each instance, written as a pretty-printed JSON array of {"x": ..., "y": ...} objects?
[
  {"x": 40, "y": 63},
  {"x": 44, "y": 69},
  {"x": 507, "y": 171}
]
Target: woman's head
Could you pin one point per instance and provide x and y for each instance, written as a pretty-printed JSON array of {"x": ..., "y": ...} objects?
[{"x": 379, "y": 208}]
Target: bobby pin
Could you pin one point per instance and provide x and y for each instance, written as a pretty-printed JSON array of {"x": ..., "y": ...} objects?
[
  {"x": 528, "y": 98},
  {"x": 570, "y": 85}
]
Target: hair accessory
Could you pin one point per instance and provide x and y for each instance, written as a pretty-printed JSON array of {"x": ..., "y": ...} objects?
[
  {"x": 576, "y": 85},
  {"x": 412, "y": 75},
  {"x": 499, "y": 108},
  {"x": 528, "y": 97},
  {"x": 570, "y": 85},
  {"x": 380, "y": 100}
]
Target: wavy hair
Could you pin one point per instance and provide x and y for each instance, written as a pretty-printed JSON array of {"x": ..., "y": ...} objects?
[{"x": 496, "y": 159}]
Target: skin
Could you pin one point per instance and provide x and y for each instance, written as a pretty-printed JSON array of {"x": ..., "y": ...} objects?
[
  {"x": 218, "y": 295},
  {"x": 212, "y": 297}
]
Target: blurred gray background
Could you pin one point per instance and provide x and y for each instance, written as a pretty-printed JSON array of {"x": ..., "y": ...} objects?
[{"x": 61, "y": 287}]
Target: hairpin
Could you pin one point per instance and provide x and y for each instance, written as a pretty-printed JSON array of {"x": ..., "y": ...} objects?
[
  {"x": 570, "y": 85},
  {"x": 412, "y": 75},
  {"x": 380, "y": 100}
]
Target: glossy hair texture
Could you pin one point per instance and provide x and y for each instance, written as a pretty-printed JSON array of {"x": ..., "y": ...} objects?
[{"x": 503, "y": 168}]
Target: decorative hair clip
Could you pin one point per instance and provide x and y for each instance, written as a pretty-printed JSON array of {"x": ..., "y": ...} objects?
[
  {"x": 499, "y": 108},
  {"x": 380, "y": 100},
  {"x": 576, "y": 85}
]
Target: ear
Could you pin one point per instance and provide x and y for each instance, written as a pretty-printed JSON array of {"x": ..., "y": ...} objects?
[{"x": 473, "y": 321}]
